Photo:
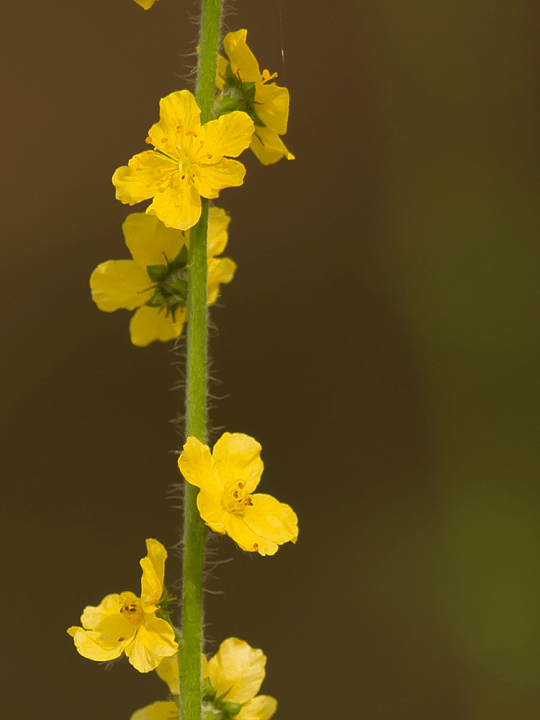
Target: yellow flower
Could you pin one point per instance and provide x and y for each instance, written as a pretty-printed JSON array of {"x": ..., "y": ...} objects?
[
  {"x": 243, "y": 86},
  {"x": 187, "y": 162},
  {"x": 234, "y": 676},
  {"x": 155, "y": 281},
  {"x": 145, "y": 4},
  {"x": 127, "y": 624},
  {"x": 226, "y": 479}
]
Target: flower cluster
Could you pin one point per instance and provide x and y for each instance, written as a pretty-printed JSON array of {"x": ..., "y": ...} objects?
[
  {"x": 231, "y": 681},
  {"x": 191, "y": 162}
]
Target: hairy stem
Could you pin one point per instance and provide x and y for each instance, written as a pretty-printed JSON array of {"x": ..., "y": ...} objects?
[{"x": 189, "y": 655}]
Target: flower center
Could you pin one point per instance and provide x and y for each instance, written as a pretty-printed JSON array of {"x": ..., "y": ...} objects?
[
  {"x": 132, "y": 611},
  {"x": 235, "y": 499}
]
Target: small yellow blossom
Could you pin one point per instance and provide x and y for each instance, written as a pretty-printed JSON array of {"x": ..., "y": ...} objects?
[
  {"x": 243, "y": 86},
  {"x": 155, "y": 281},
  {"x": 145, "y": 4},
  {"x": 233, "y": 678},
  {"x": 188, "y": 161},
  {"x": 128, "y": 624},
  {"x": 227, "y": 480}
]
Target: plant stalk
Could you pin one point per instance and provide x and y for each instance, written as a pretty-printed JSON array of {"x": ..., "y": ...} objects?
[{"x": 189, "y": 655}]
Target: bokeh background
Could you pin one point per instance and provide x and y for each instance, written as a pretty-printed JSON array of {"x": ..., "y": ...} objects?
[{"x": 380, "y": 340}]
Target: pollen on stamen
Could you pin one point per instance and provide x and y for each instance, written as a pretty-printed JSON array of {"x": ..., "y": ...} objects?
[
  {"x": 149, "y": 140},
  {"x": 164, "y": 140},
  {"x": 248, "y": 501},
  {"x": 209, "y": 156},
  {"x": 255, "y": 546},
  {"x": 266, "y": 76}
]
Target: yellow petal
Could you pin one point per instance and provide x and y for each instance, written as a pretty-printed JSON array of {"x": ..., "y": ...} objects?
[
  {"x": 149, "y": 324},
  {"x": 153, "y": 567},
  {"x": 119, "y": 284},
  {"x": 210, "y": 179},
  {"x": 243, "y": 61},
  {"x": 268, "y": 147},
  {"x": 220, "y": 270},
  {"x": 197, "y": 467},
  {"x": 273, "y": 106},
  {"x": 85, "y": 642},
  {"x": 229, "y": 135},
  {"x": 218, "y": 222},
  {"x": 94, "y": 616},
  {"x": 272, "y": 521},
  {"x": 237, "y": 457},
  {"x": 261, "y": 707},
  {"x": 248, "y": 540},
  {"x": 154, "y": 641},
  {"x": 142, "y": 177},
  {"x": 211, "y": 510},
  {"x": 157, "y": 711},
  {"x": 221, "y": 70},
  {"x": 150, "y": 241},
  {"x": 179, "y": 205},
  {"x": 236, "y": 670},
  {"x": 178, "y": 113},
  {"x": 167, "y": 670},
  {"x": 145, "y": 4},
  {"x": 113, "y": 628}
]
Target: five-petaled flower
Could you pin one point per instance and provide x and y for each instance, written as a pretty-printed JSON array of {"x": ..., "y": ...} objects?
[
  {"x": 227, "y": 479},
  {"x": 231, "y": 681},
  {"x": 243, "y": 86},
  {"x": 128, "y": 624},
  {"x": 188, "y": 161},
  {"x": 156, "y": 280}
]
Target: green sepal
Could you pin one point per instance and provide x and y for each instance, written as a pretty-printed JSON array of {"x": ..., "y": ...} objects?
[
  {"x": 248, "y": 90},
  {"x": 227, "y": 104},
  {"x": 207, "y": 690},
  {"x": 230, "y": 709},
  {"x": 181, "y": 260},
  {"x": 209, "y": 712},
  {"x": 156, "y": 300},
  {"x": 157, "y": 273}
]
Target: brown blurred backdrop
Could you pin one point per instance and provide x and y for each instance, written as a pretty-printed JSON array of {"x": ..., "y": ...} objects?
[{"x": 380, "y": 340}]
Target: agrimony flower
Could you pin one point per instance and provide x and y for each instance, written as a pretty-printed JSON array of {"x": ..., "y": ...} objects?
[
  {"x": 227, "y": 479},
  {"x": 188, "y": 161},
  {"x": 231, "y": 681},
  {"x": 128, "y": 624},
  {"x": 156, "y": 280},
  {"x": 244, "y": 87}
]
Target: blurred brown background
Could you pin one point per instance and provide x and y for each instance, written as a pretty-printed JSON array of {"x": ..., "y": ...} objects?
[{"x": 380, "y": 340}]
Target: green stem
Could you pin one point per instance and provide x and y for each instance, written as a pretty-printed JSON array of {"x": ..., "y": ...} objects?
[{"x": 189, "y": 655}]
